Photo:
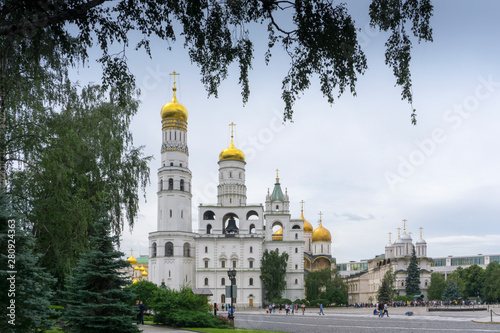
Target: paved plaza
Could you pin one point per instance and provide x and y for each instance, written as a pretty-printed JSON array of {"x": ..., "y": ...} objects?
[{"x": 361, "y": 320}]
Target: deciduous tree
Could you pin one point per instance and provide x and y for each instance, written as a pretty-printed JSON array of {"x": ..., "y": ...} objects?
[
  {"x": 273, "y": 273},
  {"x": 436, "y": 287}
]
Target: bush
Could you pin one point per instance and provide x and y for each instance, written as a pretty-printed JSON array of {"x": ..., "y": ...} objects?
[
  {"x": 317, "y": 302},
  {"x": 408, "y": 298},
  {"x": 182, "y": 309}
]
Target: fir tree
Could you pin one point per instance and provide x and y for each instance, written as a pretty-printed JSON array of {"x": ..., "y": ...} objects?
[
  {"x": 25, "y": 284},
  {"x": 451, "y": 292},
  {"x": 386, "y": 290},
  {"x": 413, "y": 276},
  {"x": 97, "y": 301}
]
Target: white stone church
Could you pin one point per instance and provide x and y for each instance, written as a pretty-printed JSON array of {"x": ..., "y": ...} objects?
[{"x": 231, "y": 234}]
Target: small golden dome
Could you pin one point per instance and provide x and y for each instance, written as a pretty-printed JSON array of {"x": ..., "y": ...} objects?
[
  {"x": 321, "y": 234},
  {"x": 142, "y": 269},
  {"x": 307, "y": 226},
  {"x": 231, "y": 153},
  {"x": 174, "y": 109},
  {"x": 144, "y": 273},
  {"x": 278, "y": 235},
  {"x": 132, "y": 260},
  {"x": 135, "y": 281},
  {"x": 136, "y": 268}
]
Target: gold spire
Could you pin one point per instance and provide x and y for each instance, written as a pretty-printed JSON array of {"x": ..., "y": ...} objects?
[
  {"x": 390, "y": 236},
  {"x": 421, "y": 231},
  {"x": 232, "y": 153},
  {"x": 174, "y": 109},
  {"x": 399, "y": 230},
  {"x": 277, "y": 176},
  {"x": 404, "y": 225},
  {"x": 320, "y": 214}
]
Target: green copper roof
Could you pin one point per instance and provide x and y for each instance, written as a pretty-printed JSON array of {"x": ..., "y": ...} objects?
[{"x": 277, "y": 193}]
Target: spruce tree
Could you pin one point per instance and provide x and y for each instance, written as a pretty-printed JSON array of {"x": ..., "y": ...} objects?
[
  {"x": 97, "y": 300},
  {"x": 25, "y": 286},
  {"x": 386, "y": 289},
  {"x": 451, "y": 292},
  {"x": 413, "y": 276}
]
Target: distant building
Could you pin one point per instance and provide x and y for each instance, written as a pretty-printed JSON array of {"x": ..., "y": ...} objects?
[{"x": 232, "y": 234}]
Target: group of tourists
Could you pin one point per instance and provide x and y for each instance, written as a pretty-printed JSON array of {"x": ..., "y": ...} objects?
[{"x": 289, "y": 308}]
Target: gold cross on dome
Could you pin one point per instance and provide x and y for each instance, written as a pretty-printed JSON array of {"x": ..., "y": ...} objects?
[
  {"x": 320, "y": 214},
  {"x": 421, "y": 232},
  {"x": 277, "y": 171},
  {"x": 399, "y": 229},
  {"x": 302, "y": 204},
  {"x": 174, "y": 74},
  {"x": 232, "y": 128},
  {"x": 404, "y": 225},
  {"x": 390, "y": 236}
]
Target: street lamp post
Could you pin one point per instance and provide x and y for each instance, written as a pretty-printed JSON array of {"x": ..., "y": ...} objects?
[{"x": 232, "y": 277}]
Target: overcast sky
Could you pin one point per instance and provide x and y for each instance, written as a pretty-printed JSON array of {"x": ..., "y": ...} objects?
[{"x": 360, "y": 162}]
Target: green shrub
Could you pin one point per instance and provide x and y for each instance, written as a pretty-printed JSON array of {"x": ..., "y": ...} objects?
[
  {"x": 182, "y": 309},
  {"x": 317, "y": 302}
]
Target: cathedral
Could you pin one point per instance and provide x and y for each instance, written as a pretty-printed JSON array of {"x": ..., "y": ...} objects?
[{"x": 231, "y": 233}]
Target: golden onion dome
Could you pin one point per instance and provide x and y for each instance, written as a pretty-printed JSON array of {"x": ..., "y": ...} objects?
[
  {"x": 321, "y": 234},
  {"x": 142, "y": 269},
  {"x": 307, "y": 226},
  {"x": 278, "y": 235},
  {"x": 174, "y": 109},
  {"x": 136, "y": 268},
  {"x": 231, "y": 153},
  {"x": 135, "y": 281},
  {"x": 132, "y": 260},
  {"x": 144, "y": 273}
]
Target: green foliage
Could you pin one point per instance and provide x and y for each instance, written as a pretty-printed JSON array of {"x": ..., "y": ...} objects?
[
  {"x": 143, "y": 291},
  {"x": 398, "y": 16},
  {"x": 451, "y": 292},
  {"x": 97, "y": 301},
  {"x": 273, "y": 273},
  {"x": 457, "y": 276},
  {"x": 31, "y": 288},
  {"x": 436, "y": 287},
  {"x": 491, "y": 282},
  {"x": 87, "y": 161},
  {"x": 473, "y": 277},
  {"x": 386, "y": 290},
  {"x": 413, "y": 276},
  {"x": 321, "y": 39},
  {"x": 406, "y": 298},
  {"x": 317, "y": 302},
  {"x": 326, "y": 284},
  {"x": 182, "y": 309}
]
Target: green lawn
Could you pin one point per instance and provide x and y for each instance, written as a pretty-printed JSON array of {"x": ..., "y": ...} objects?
[{"x": 227, "y": 330}]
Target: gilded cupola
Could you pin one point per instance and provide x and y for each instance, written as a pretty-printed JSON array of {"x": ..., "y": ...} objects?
[
  {"x": 174, "y": 109},
  {"x": 321, "y": 234},
  {"x": 232, "y": 153}
]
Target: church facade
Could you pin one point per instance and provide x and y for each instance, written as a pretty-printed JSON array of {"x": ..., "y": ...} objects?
[{"x": 231, "y": 234}]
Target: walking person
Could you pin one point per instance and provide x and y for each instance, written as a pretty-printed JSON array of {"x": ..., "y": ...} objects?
[
  {"x": 386, "y": 310},
  {"x": 321, "y": 309},
  {"x": 303, "y": 306},
  {"x": 138, "y": 312},
  {"x": 141, "y": 312},
  {"x": 380, "y": 309}
]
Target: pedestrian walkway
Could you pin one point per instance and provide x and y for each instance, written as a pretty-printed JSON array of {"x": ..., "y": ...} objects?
[{"x": 161, "y": 329}]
